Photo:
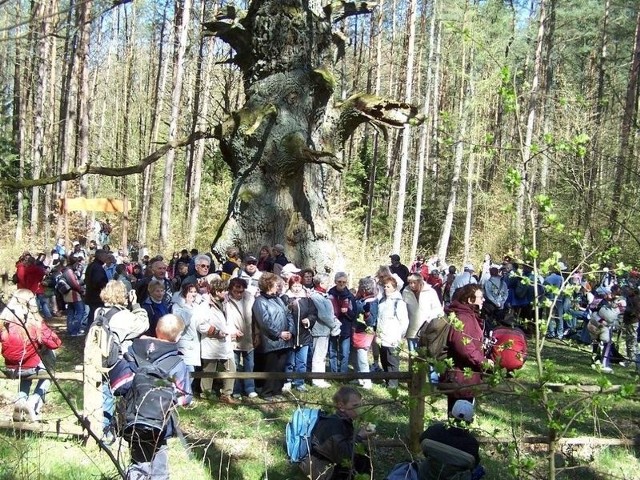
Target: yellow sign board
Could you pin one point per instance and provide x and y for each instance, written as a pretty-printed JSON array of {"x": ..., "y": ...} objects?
[{"x": 81, "y": 204}]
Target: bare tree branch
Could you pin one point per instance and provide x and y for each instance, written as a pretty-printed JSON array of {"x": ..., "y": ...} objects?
[{"x": 88, "y": 169}]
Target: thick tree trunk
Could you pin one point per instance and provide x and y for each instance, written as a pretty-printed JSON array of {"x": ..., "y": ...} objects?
[{"x": 280, "y": 145}]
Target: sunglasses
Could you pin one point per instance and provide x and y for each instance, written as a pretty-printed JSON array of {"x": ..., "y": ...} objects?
[{"x": 203, "y": 265}]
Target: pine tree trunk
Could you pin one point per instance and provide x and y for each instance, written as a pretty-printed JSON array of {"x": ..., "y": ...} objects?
[
  {"x": 526, "y": 168},
  {"x": 183, "y": 15},
  {"x": 425, "y": 134},
  {"x": 624, "y": 152},
  {"x": 406, "y": 133}
]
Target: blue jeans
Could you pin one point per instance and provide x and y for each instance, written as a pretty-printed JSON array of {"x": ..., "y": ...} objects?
[
  {"x": 108, "y": 404},
  {"x": 43, "y": 306},
  {"x": 339, "y": 350},
  {"x": 297, "y": 362},
  {"x": 75, "y": 316},
  {"x": 244, "y": 363}
]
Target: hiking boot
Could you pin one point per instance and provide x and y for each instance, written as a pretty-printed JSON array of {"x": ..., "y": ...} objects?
[{"x": 229, "y": 400}]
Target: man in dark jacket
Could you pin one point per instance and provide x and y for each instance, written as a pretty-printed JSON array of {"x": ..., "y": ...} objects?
[
  {"x": 398, "y": 268},
  {"x": 95, "y": 279},
  {"x": 149, "y": 452},
  {"x": 346, "y": 310}
]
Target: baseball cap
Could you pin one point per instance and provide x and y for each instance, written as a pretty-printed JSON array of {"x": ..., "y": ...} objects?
[
  {"x": 250, "y": 259},
  {"x": 469, "y": 267},
  {"x": 463, "y": 410},
  {"x": 289, "y": 268}
]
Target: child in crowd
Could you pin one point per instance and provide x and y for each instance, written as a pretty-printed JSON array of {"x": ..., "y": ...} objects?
[{"x": 333, "y": 441}]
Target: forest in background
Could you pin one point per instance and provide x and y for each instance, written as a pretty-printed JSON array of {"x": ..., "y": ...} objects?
[{"x": 528, "y": 107}]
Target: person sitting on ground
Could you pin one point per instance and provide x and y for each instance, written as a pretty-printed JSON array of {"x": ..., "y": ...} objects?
[
  {"x": 464, "y": 452},
  {"x": 23, "y": 333},
  {"x": 509, "y": 350},
  {"x": 333, "y": 442},
  {"x": 149, "y": 452}
]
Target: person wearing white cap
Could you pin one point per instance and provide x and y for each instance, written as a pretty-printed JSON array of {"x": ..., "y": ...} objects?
[
  {"x": 455, "y": 435},
  {"x": 462, "y": 279}
]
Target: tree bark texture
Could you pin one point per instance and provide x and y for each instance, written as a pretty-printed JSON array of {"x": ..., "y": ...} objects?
[{"x": 287, "y": 135}]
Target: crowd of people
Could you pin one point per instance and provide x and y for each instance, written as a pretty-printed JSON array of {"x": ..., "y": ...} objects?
[{"x": 263, "y": 313}]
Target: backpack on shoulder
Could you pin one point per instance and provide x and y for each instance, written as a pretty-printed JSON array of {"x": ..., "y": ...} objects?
[
  {"x": 149, "y": 402},
  {"x": 107, "y": 340},
  {"x": 404, "y": 471},
  {"x": 62, "y": 286},
  {"x": 434, "y": 336},
  {"x": 298, "y": 433}
]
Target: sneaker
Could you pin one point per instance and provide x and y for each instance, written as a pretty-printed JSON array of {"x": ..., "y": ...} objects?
[
  {"x": 606, "y": 370},
  {"x": 286, "y": 387},
  {"x": 321, "y": 384},
  {"x": 252, "y": 395},
  {"x": 237, "y": 396}
]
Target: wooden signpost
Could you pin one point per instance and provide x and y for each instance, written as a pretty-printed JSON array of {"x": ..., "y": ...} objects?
[{"x": 107, "y": 205}]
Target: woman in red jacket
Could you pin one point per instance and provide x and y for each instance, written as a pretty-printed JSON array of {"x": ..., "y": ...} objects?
[
  {"x": 23, "y": 333},
  {"x": 465, "y": 343}
]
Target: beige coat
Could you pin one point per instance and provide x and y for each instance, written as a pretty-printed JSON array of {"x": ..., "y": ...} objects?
[
  {"x": 423, "y": 310},
  {"x": 239, "y": 314}
]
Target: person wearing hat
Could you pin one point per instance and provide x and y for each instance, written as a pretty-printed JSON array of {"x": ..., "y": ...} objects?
[
  {"x": 450, "y": 448},
  {"x": 509, "y": 350},
  {"x": 251, "y": 274},
  {"x": 279, "y": 258},
  {"x": 462, "y": 279},
  {"x": 398, "y": 268}
]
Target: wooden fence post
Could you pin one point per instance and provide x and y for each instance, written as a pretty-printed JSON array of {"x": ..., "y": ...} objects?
[
  {"x": 418, "y": 370},
  {"x": 92, "y": 386}
]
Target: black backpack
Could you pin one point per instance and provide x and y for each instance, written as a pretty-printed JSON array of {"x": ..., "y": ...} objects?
[
  {"x": 150, "y": 401},
  {"x": 107, "y": 340}
]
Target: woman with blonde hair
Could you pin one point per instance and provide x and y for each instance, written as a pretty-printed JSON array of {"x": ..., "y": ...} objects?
[{"x": 23, "y": 333}]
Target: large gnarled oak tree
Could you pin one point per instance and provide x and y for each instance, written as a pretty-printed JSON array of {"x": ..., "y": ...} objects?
[{"x": 281, "y": 143}]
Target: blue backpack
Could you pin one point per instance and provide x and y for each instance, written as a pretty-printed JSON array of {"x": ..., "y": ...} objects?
[
  {"x": 298, "y": 433},
  {"x": 404, "y": 471}
]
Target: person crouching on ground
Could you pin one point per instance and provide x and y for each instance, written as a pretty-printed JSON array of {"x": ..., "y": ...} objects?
[{"x": 333, "y": 441}]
